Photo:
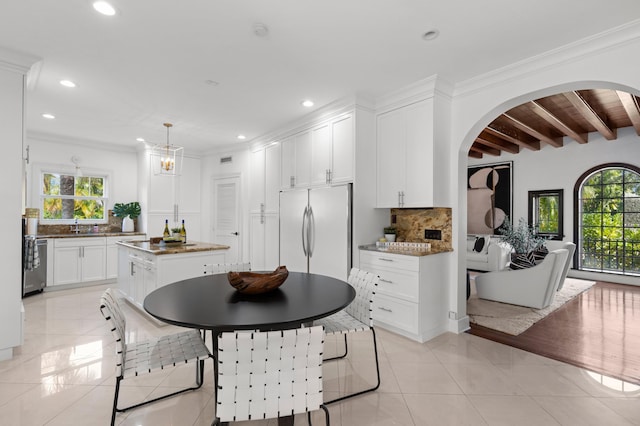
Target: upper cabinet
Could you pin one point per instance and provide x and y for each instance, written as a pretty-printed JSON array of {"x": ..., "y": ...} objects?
[
  {"x": 265, "y": 179},
  {"x": 405, "y": 156},
  {"x": 320, "y": 155}
]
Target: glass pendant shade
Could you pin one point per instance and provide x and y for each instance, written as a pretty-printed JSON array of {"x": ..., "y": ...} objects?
[{"x": 167, "y": 159}]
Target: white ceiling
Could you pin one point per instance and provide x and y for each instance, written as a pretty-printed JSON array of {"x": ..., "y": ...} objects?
[{"x": 149, "y": 63}]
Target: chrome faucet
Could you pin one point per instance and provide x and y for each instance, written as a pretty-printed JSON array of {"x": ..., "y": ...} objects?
[{"x": 76, "y": 229}]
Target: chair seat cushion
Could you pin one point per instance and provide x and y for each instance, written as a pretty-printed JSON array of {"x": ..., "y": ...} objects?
[
  {"x": 341, "y": 322},
  {"x": 152, "y": 354}
]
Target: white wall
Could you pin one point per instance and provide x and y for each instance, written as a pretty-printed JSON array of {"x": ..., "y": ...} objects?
[
  {"x": 560, "y": 168},
  {"x": 121, "y": 164},
  {"x": 608, "y": 61}
]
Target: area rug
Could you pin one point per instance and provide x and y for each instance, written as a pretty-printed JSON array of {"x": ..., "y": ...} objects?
[{"x": 512, "y": 319}]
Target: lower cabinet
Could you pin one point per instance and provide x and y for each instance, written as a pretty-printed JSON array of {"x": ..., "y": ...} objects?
[
  {"x": 78, "y": 260},
  {"x": 139, "y": 272},
  {"x": 411, "y": 297}
]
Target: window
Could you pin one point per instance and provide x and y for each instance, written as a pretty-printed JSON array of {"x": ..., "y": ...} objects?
[
  {"x": 65, "y": 197},
  {"x": 608, "y": 210},
  {"x": 546, "y": 213}
]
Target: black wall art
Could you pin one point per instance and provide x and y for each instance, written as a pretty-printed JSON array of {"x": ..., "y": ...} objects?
[{"x": 489, "y": 197}]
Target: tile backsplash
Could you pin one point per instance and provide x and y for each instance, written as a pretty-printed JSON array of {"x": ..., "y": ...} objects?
[
  {"x": 410, "y": 225},
  {"x": 114, "y": 225}
]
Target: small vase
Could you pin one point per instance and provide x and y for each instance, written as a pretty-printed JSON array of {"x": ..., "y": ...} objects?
[
  {"x": 391, "y": 238},
  {"x": 127, "y": 224}
]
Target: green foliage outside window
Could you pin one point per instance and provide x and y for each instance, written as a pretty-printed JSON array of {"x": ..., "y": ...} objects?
[
  {"x": 72, "y": 197},
  {"x": 610, "y": 221}
]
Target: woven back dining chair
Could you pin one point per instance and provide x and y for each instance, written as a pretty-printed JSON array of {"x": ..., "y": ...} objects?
[
  {"x": 134, "y": 359},
  {"x": 355, "y": 318},
  {"x": 263, "y": 375}
]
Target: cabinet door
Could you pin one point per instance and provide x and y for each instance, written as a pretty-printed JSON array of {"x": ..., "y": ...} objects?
[
  {"x": 66, "y": 267},
  {"x": 150, "y": 278},
  {"x": 321, "y": 154},
  {"x": 94, "y": 263},
  {"x": 390, "y": 158},
  {"x": 124, "y": 272},
  {"x": 257, "y": 181},
  {"x": 288, "y": 162},
  {"x": 161, "y": 193},
  {"x": 343, "y": 150},
  {"x": 271, "y": 242},
  {"x": 112, "y": 261},
  {"x": 303, "y": 159},
  {"x": 137, "y": 282},
  {"x": 418, "y": 190},
  {"x": 257, "y": 243},
  {"x": 272, "y": 178}
]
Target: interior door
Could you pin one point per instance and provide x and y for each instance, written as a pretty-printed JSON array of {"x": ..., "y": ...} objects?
[{"x": 226, "y": 221}]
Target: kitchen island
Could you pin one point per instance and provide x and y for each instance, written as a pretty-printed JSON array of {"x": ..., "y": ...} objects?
[{"x": 144, "y": 266}]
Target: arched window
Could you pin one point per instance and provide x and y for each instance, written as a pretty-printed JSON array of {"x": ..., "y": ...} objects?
[{"x": 608, "y": 219}]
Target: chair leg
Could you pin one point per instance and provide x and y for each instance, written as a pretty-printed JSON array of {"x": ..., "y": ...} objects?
[
  {"x": 346, "y": 350},
  {"x": 326, "y": 415},
  {"x": 375, "y": 349},
  {"x": 199, "y": 381}
]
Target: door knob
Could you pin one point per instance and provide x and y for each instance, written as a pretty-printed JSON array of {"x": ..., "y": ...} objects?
[{"x": 234, "y": 233}]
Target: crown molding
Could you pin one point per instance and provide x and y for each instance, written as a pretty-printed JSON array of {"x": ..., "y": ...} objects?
[
  {"x": 418, "y": 91},
  {"x": 571, "y": 52},
  {"x": 71, "y": 141},
  {"x": 15, "y": 61}
]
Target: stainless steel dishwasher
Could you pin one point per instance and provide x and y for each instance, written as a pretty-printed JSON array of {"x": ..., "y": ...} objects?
[{"x": 34, "y": 265}]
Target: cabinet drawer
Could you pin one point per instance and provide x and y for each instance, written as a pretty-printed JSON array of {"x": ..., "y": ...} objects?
[
  {"x": 79, "y": 242},
  {"x": 390, "y": 260},
  {"x": 396, "y": 312},
  {"x": 404, "y": 285}
]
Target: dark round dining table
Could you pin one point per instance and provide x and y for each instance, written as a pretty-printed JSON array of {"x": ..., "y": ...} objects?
[{"x": 210, "y": 303}]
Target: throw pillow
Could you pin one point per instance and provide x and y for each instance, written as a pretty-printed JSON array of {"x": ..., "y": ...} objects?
[
  {"x": 471, "y": 242},
  {"x": 538, "y": 255},
  {"x": 520, "y": 261},
  {"x": 479, "y": 245}
]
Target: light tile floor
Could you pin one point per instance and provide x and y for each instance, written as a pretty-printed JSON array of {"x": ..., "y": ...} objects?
[{"x": 64, "y": 375}]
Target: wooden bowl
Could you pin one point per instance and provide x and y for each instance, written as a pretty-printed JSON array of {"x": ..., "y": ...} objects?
[{"x": 257, "y": 282}]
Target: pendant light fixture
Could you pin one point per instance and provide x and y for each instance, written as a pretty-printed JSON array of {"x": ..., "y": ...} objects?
[{"x": 167, "y": 159}]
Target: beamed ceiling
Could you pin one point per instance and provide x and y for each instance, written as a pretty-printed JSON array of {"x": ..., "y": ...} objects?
[{"x": 548, "y": 120}]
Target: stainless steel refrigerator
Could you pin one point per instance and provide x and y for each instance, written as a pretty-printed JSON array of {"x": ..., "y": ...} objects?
[{"x": 315, "y": 230}]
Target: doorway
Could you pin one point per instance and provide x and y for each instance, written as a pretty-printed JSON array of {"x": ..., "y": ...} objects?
[{"x": 226, "y": 220}]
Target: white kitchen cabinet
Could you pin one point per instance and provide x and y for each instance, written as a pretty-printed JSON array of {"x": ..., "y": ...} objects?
[
  {"x": 321, "y": 154},
  {"x": 288, "y": 162},
  {"x": 343, "y": 149},
  {"x": 112, "y": 252},
  {"x": 78, "y": 260},
  {"x": 411, "y": 296},
  {"x": 405, "y": 156},
  {"x": 303, "y": 159},
  {"x": 264, "y": 214}
]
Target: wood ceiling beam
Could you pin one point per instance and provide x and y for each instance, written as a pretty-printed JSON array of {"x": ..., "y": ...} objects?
[
  {"x": 485, "y": 149},
  {"x": 557, "y": 142},
  {"x": 487, "y": 139},
  {"x": 534, "y": 145},
  {"x": 630, "y": 104},
  {"x": 474, "y": 154},
  {"x": 550, "y": 118},
  {"x": 591, "y": 115}
]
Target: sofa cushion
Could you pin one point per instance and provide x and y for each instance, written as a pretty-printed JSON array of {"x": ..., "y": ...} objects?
[
  {"x": 470, "y": 243},
  {"x": 477, "y": 257}
]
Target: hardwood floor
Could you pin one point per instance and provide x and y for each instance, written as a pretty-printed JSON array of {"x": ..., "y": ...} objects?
[{"x": 599, "y": 330}]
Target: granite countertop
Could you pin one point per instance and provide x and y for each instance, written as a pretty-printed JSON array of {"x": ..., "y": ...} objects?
[
  {"x": 158, "y": 249},
  {"x": 89, "y": 234},
  {"x": 406, "y": 252}
]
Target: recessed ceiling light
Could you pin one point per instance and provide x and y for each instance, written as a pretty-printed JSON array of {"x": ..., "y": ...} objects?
[
  {"x": 260, "y": 29},
  {"x": 140, "y": 139},
  {"x": 67, "y": 83},
  {"x": 104, "y": 8},
  {"x": 307, "y": 103},
  {"x": 430, "y": 35},
  {"x": 49, "y": 116},
  {"x": 211, "y": 82},
  {"x": 241, "y": 137}
]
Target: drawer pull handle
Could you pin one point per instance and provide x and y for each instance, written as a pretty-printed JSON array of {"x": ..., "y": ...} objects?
[
  {"x": 385, "y": 259},
  {"x": 385, "y": 281},
  {"x": 385, "y": 309}
]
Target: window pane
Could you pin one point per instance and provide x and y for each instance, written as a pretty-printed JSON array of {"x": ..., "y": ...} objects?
[
  {"x": 52, "y": 208},
  {"x": 615, "y": 190},
  {"x": 592, "y": 206},
  {"x": 631, "y": 176},
  {"x": 612, "y": 205},
  {"x": 83, "y": 188},
  {"x": 632, "y": 189},
  {"x": 89, "y": 209},
  {"x": 612, "y": 176},
  {"x": 592, "y": 219},
  {"x": 51, "y": 184},
  {"x": 97, "y": 186},
  {"x": 595, "y": 179},
  {"x": 67, "y": 184}
]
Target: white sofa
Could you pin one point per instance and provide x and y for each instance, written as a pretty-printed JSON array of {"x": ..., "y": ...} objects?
[
  {"x": 494, "y": 256},
  {"x": 534, "y": 287}
]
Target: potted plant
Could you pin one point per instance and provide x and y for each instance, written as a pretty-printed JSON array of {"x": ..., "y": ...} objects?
[
  {"x": 175, "y": 231},
  {"x": 128, "y": 212},
  {"x": 523, "y": 238},
  {"x": 390, "y": 234}
]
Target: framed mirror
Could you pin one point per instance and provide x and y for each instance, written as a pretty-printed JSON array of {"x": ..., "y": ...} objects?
[{"x": 546, "y": 213}]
